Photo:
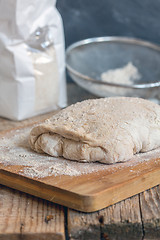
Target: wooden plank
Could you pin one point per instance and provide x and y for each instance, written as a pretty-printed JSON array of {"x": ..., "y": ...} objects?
[
  {"x": 83, "y": 225},
  {"x": 88, "y": 192},
  {"x": 24, "y": 216},
  {"x": 150, "y": 209},
  {"x": 123, "y": 220},
  {"x": 119, "y": 221}
]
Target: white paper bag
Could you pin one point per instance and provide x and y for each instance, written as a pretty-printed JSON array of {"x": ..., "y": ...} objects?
[{"x": 32, "y": 60}]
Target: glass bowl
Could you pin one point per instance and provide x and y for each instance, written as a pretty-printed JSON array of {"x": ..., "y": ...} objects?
[{"x": 88, "y": 59}]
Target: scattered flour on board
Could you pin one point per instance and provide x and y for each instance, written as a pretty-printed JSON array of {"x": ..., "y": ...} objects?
[
  {"x": 15, "y": 150},
  {"x": 124, "y": 75}
]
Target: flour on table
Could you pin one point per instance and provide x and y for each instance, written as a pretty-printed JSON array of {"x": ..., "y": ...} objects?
[{"x": 15, "y": 151}]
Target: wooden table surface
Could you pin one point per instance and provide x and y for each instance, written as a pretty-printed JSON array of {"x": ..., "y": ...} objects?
[{"x": 23, "y": 216}]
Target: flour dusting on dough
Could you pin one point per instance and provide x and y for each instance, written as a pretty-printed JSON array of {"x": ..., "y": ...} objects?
[{"x": 15, "y": 151}]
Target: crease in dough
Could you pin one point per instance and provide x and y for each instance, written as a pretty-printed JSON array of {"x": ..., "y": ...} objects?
[{"x": 107, "y": 130}]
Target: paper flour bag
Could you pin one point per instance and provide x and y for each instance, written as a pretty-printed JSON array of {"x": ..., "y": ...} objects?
[{"x": 32, "y": 61}]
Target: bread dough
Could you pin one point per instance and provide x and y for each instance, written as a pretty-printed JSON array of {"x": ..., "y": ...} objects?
[{"x": 106, "y": 130}]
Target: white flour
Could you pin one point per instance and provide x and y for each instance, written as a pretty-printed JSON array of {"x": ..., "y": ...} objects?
[
  {"x": 124, "y": 75},
  {"x": 33, "y": 62},
  {"x": 46, "y": 78},
  {"x": 15, "y": 150}
]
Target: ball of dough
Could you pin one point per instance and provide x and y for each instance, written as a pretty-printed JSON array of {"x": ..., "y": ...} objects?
[{"x": 106, "y": 130}]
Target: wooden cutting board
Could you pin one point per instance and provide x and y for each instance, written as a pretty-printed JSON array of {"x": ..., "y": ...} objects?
[{"x": 81, "y": 186}]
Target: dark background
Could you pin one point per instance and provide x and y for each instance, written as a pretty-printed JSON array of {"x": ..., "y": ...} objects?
[{"x": 91, "y": 18}]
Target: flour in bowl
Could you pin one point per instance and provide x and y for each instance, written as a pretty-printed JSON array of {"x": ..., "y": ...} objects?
[{"x": 125, "y": 75}]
